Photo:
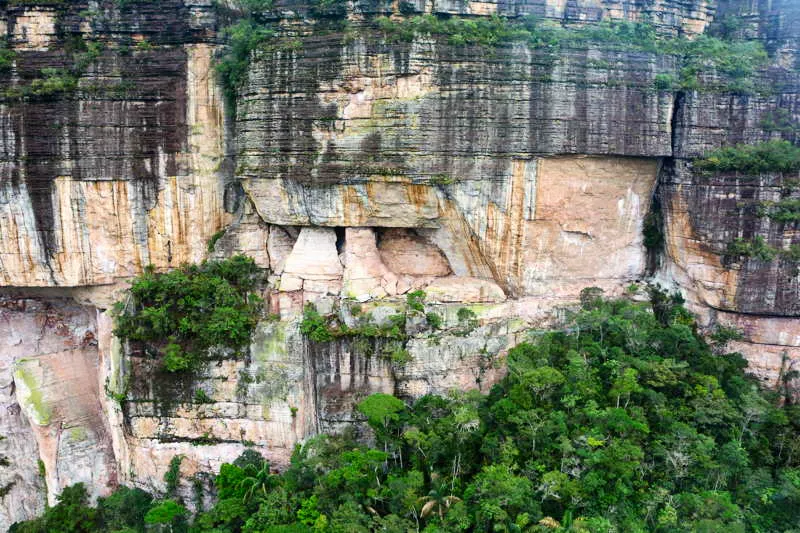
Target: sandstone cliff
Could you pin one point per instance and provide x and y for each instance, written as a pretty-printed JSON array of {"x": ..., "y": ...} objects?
[{"x": 356, "y": 166}]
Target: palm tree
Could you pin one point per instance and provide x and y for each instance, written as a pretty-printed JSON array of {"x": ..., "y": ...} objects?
[
  {"x": 437, "y": 499},
  {"x": 256, "y": 480}
]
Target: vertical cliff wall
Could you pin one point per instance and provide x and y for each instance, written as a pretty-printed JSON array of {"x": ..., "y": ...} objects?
[
  {"x": 112, "y": 141},
  {"x": 356, "y": 164}
]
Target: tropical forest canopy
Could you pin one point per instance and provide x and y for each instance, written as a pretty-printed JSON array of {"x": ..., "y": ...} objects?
[{"x": 624, "y": 420}]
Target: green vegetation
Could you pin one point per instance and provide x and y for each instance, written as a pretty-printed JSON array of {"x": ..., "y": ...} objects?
[
  {"x": 201, "y": 396},
  {"x": 786, "y": 210},
  {"x": 320, "y": 328},
  {"x": 434, "y": 320},
  {"x": 168, "y": 513},
  {"x": 442, "y": 179},
  {"x": 180, "y": 314},
  {"x": 779, "y": 120},
  {"x": 328, "y": 9},
  {"x": 71, "y": 514},
  {"x": 254, "y": 32},
  {"x": 255, "y": 6},
  {"x": 127, "y": 4},
  {"x": 315, "y": 326},
  {"x": 34, "y": 399},
  {"x": 144, "y": 46},
  {"x": 416, "y": 300},
  {"x": 386, "y": 340},
  {"x": 722, "y": 335},
  {"x": 756, "y": 248},
  {"x": 665, "y": 82},
  {"x": 653, "y": 230},
  {"x": 399, "y": 355},
  {"x": 4, "y": 463},
  {"x": 465, "y": 315},
  {"x": 55, "y": 81},
  {"x": 498, "y": 31},
  {"x": 243, "y": 39},
  {"x": 736, "y": 61},
  {"x": 759, "y": 249},
  {"x": 173, "y": 474},
  {"x": 5, "y": 489},
  {"x": 467, "y": 321},
  {"x": 212, "y": 242},
  {"x": 6, "y": 57},
  {"x": 624, "y": 420},
  {"x": 769, "y": 156}
]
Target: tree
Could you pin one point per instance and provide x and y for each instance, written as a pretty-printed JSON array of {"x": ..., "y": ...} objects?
[
  {"x": 381, "y": 410},
  {"x": 166, "y": 514},
  {"x": 498, "y": 496},
  {"x": 125, "y": 508},
  {"x": 437, "y": 501}
]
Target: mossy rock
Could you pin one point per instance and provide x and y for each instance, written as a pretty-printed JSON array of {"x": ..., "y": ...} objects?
[{"x": 28, "y": 377}]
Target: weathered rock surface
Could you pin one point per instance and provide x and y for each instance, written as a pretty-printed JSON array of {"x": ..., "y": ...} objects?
[
  {"x": 289, "y": 389},
  {"x": 411, "y": 254},
  {"x": 354, "y": 171},
  {"x": 122, "y": 171},
  {"x": 51, "y": 395}
]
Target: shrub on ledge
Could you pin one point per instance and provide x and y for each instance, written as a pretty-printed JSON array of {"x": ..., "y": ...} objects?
[
  {"x": 182, "y": 313},
  {"x": 769, "y": 156}
]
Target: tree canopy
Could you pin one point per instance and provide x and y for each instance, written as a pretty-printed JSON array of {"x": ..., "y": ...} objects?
[{"x": 624, "y": 420}]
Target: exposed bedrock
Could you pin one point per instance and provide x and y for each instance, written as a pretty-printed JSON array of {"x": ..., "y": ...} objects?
[
  {"x": 355, "y": 171},
  {"x": 121, "y": 171},
  {"x": 51, "y": 404}
]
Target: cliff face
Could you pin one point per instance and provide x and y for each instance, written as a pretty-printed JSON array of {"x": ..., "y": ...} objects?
[
  {"x": 355, "y": 168},
  {"x": 111, "y": 161}
]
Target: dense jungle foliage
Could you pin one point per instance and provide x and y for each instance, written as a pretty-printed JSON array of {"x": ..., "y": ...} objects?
[
  {"x": 180, "y": 314},
  {"x": 626, "y": 420}
]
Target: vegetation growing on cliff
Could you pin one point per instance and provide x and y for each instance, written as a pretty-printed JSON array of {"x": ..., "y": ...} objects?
[
  {"x": 497, "y": 31},
  {"x": 243, "y": 39},
  {"x": 255, "y": 31},
  {"x": 6, "y": 56},
  {"x": 786, "y": 210},
  {"x": 183, "y": 313},
  {"x": 55, "y": 81},
  {"x": 625, "y": 420},
  {"x": 758, "y": 248},
  {"x": 387, "y": 340},
  {"x": 320, "y": 328},
  {"x": 736, "y": 61},
  {"x": 769, "y": 156}
]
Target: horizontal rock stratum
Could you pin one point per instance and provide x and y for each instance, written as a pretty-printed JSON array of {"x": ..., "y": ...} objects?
[{"x": 362, "y": 157}]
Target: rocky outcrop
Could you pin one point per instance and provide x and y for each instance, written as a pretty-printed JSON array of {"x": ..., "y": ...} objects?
[
  {"x": 356, "y": 169},
  {"x": 113, "y": 163},
  {"x": 55, "y": 432},
  {"x": 704, "y": 213},
  {"x": 289, "y": 389}
]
